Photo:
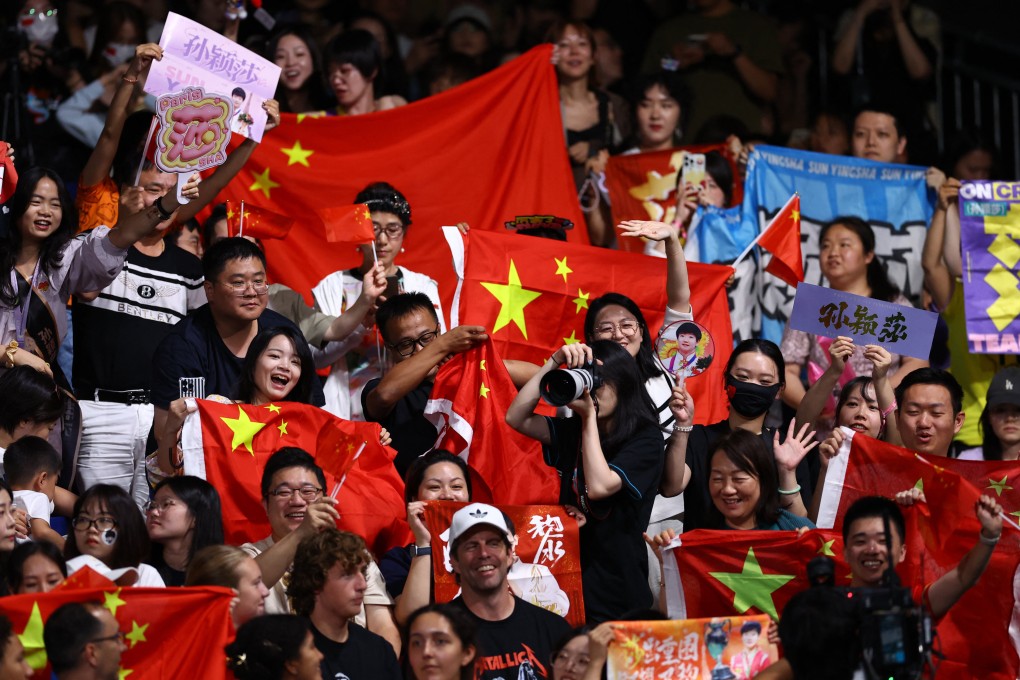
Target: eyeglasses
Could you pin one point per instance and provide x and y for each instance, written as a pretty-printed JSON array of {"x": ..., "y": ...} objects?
[
  {"x": 82, "y": 523},
  {"x": 240, "y": 288},
  {"x": 162, "y": 506},
  {"x": 391, "y": 230},
  {"x": 405, "y": 348},
  {"x": 285, "y": 493},
  {"x": 627, "y": 328},
  {"x": 118, "y": 636}
]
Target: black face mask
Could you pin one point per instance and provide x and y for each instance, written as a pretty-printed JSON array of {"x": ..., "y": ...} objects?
[{"x": 750, "y": 399}]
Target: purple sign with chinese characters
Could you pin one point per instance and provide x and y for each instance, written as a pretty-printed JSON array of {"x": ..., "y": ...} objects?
[
  {"x": 196, "y": 56},
  {"x": 832, "y": 313}
]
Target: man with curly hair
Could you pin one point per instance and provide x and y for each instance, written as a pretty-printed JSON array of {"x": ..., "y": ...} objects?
[{"x": 328, "y": 586}]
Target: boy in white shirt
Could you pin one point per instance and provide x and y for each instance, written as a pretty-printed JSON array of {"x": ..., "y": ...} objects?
[{"x": 32, "y": 466}]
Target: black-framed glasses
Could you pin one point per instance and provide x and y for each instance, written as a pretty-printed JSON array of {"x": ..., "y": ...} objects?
[
  {"x": 391, "y": 230},
  {"x": 240, "y": 288},
  {"x": 285, "y": 493},
  {"x": 405, "y": 348},
  {"x": 118, "y": 636},
  {"x": 82, "y": 523}
]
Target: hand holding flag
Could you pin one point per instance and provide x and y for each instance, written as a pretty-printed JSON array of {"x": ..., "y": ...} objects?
[{"x": 782, "y": 238}]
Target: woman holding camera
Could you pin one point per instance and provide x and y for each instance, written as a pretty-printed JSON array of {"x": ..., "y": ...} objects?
[{"x": 610, "y": 458}]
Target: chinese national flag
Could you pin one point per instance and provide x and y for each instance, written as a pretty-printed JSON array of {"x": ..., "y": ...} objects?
[
  {"x": 745, "y": 572},
  {"x": 245, "y": 219},
  {"x": 483, "y": 152},
  {"x": 169, "y": 633},
  {"x": 229, "y": 444},
  {"x": 642, "y": 186},
  {"x": 348, "y": 224},
  {"x": 782, "y": 239},
  {"x": 547, "y": 571},
  {"x": 939, "y": 533},
  {"x": 469, "y": 401},
  {"x": 531, "y": 295}
]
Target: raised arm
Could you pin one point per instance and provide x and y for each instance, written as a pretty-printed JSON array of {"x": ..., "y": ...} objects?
[
  {"x": 951, "y": 245},
  {"x": 521, "y": 414},
  {"x": 788, "y": 456},
  {"x": 813, "y": 402},
  {"x": 373, "y": 285},
  {"x": 678, "y": 288},
  {"x": 132, "y": 228},
  {"x": 938, "y": 280},
  {"x": 676, "y": 473},
  {"x": 917, "y": 62}
]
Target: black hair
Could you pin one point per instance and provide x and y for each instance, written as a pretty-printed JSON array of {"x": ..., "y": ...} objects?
[
  {"x": 302, "y": 390},
  {"x": 720, "y": 170},
  {"x": 964, "y": 142},
  {"x": 265, "y": 644},
  {"x": 760, "y": 346},
  {"x": 384, "y": 197},
  {"x": 886, "y": 108},
  {"x": 878, "y": 278},
  {"x": 565, "y": 639},
  {"x": 674, "y": 87},
  {"x": 110, "y": 18},
  {"x": 420, "y": 465},
  {"x": 203, "y": 503},
  {"x": 750, "y": 455},
  {"x": 749, "y": 626},
  {"x": 717, "y": 129},
  {"x": 6, "y": 634},
  {"x": 461, "y": 624},
  {"x": 930, "y": 375},
  {"x": 358, "y": 48},
  {"x": 28, "y": 394},
  {"x": 459, "y": 68},
  {"x": 859, "y": 383},
  {"x": 217, "y": 214},
  {"x": 20, "y": 555},
  {"x": 648, "y": 367},
  {"x": 27, "y": 457},
  {"x": 820, "y": 629},
  {"x": 867, "y": 507},
  {"x": 51, "y": 252},
  {"x": 68, "y": 629},
  {"x": 316, "y": 84},
  {"x": 131, "y": 546},
  {"x": 239, "y": 92},
  {"x": 227, "y": 250},
  {"x": 551, "y": 233},
  {"x": 634, "y": 410},
  {"x": 288, "y": 457},
  {"x": 392, "y": 78},
  {"x": 688, "y": 328},
  {"x": 399, "y": 306}
]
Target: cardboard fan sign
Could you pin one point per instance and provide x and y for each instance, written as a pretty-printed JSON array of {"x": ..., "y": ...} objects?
[{"x": 547, "y": 566}]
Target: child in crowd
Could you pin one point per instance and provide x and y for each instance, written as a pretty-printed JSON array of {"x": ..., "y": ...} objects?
[{"x": 32, "y": 466}]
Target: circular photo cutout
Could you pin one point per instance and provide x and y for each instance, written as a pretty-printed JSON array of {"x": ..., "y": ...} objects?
[{"x": 685, "y": 349}]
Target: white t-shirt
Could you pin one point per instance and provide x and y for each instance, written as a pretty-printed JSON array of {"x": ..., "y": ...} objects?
[{"x": 37, "y": 504}]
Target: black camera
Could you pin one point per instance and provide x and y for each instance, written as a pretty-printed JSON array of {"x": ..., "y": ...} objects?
[{"x": 564, "y": 385}]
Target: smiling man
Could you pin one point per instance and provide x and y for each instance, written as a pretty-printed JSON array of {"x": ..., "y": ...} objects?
[
  {"x": 929, "y": 411},
  {"x": 514, "y": 636}
]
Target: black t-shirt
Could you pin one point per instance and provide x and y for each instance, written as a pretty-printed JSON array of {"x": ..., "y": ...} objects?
[
  {"x": 412, "y": 432},
  {"x": 700, "y": 445},
  {"x": 394, "y": 566},
  {"x": 116, "y": 335},
  {"x": 524, "y": 639},
  {"x": 194, "y": 348},
  {"x": 614, "y": 560},
  {"x": 365, "y": 656}
]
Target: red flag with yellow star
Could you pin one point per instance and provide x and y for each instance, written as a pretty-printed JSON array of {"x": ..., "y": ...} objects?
[
  {"x": 782, "y": 238},
  {"x": 169, "y": 633},
  {"x": 939, "y": 533},
  {"x": 532, "y": 294},
  {"x": 468, "y": 404},
  {"x": 245, "y": 219},
  {"x": 348, "y": 224},
  {"x": 229, "y": 444}
]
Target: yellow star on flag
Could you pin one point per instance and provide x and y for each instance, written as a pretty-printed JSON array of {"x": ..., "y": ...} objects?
[
  {"x": 273, "y": 408},
  {"x": 311, "y": 114},
  {"x": 581, "y": 301},
  {"x": 484, "y": 392},
  {"x": 297, "y": 154},
  {"x": 137, "y": 634},
  {"x": 481, "y": 365},
  {"x": 999, "y": 486},
  {"x": 282, "y": 427},
  {"x": 919, "y": 485},
  {"x": 572, "y": 339},
  {"x": 826, "y": 548},
  {"x": 123, "y": 673},
  {"x": 32, "y": 639},
  {"x": 795, "y": 214},
  {"x": 751, "y": 587},
  {"x": 230, "y": 213},
  {"x": 112, "y": 601},
  {"x": 263, "y": 183},
  {"x": 561, "y": 268},
  {"x": 1015, "y": 514},
  {"x": 513, "y": 298},
  {"x": 244, "y": 430}
]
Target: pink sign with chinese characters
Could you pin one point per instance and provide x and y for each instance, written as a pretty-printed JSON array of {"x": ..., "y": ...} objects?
[{"x": 194, "y": 129}]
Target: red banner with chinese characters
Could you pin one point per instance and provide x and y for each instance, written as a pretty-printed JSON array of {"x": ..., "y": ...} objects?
[
  {"x": 168, "y": 632},
  {"x": 532, "y": 295},
  {"x": 642, "y": 186},
  {"x": 692, "y": 649},
  {"x": 547, "y": 566},
  {"x": 229, "y": 445},
  {"x": 483, "y": 153}
]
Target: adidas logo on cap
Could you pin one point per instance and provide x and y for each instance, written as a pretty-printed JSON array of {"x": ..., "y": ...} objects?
[{"x": 479, "y": 513}]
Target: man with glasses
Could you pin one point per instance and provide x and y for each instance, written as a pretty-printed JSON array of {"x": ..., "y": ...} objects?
[
  {"x": 411, "y": 331},
  {"x": 83, "y": 642},
  {"x": 211, "y": 342},
  {"x": 293, "y": 494}
]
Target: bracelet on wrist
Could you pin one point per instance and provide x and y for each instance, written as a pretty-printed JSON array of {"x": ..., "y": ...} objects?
[
  {"x": 164, "y": 215},
  {"x": 682, "y": 428},
  {"x": 989, "y": 541},
  {"x": 12, "y": 348},
  {"x": 892, "y": 407},
  {"x": 128, "y": 79},
  {"x": 790, "y": 492}
]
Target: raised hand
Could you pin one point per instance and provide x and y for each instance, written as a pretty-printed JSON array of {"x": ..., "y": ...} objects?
[
  {"x": 880, "y": 359},
  {"x": 792, "y": 451},
  {"x": 840, "y": 351},
  {"x": 989, "y": 513},
  {"x": 649, "y": 229},
  {"x": 272, "y": 109},
  {"x": 831, "y": 446},
  {"x": 574, "y": 356},
  {"x": 681, "y": 405}
]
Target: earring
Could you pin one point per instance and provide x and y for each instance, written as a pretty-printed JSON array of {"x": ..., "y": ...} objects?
[{"x": 401, "y": 250}]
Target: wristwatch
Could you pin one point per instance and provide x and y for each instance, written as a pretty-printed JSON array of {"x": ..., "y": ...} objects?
[{"x": 415, "y": 551}]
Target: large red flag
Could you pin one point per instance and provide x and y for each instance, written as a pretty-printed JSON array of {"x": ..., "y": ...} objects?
[
  {"x": 782, "y": 239},
  {"x": 169, "y": 633},
  {"x": 229, "y": 444},
  {"x": 531, "y": 295},
  {"x": 547, "y": 568},
  {"x": 939, "y": 533},
  {"x": 483, "y": 153}
]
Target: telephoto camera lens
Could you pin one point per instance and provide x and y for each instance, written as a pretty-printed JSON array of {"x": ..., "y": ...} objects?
[{"x": 564, "y": 385}]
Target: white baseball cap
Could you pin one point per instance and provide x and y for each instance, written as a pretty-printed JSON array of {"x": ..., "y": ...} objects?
[{"x": 478, "y": 514}]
